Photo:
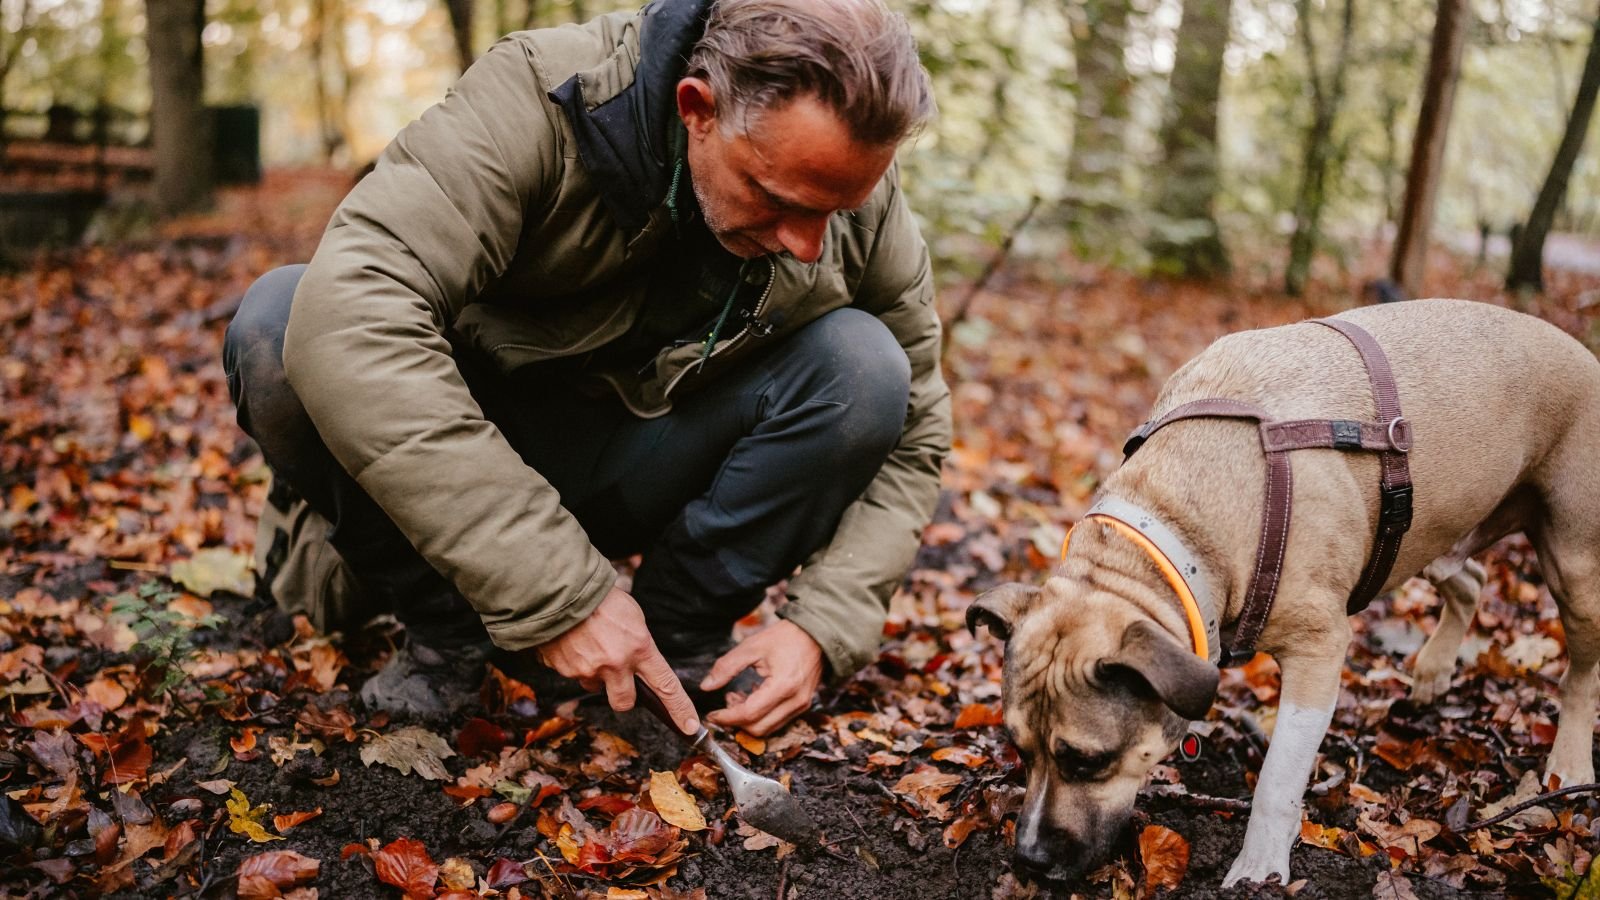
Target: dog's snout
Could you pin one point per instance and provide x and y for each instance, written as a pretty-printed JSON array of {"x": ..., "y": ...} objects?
[{"x": 1034, "y": 858}]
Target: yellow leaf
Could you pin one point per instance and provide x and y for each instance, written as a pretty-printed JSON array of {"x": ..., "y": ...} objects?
[
  {"x": 456, "y": 874},
  {"x": 750, "y": 742},
  {"x": 215, "y": 569},
  {"x": 246, "y": 820},
  {"x": 141, "y": 427},
  {"x": 673, "y": 804}
]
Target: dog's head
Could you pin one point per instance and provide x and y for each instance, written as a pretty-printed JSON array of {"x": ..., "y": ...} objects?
[{"x": 1095, "y": 695}]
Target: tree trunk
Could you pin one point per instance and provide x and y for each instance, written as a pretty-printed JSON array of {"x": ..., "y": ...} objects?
[
  {"x": 180, "y": 124},
  {"x": 1100, "y": 115},
  {"x": 461, "y": 28},
  {"x": 1527, "y": 255},
  {"x": 1187, "y": 243},
  {"x": 1326, "y": 101},
  {"x": 10, "y": 45},
  {"x": 1427, "y": 147}
]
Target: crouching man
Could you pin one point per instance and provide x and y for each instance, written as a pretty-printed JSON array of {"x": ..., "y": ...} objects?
[{"x": 645, "y": 285}]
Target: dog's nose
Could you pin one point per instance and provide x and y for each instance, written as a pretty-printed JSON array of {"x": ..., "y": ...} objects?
[{"x": 1033, "y": 858}]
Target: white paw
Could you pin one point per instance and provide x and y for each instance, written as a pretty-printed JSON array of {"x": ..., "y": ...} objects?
[
  {"x": 1258, "y": 867},
  {"x": 1570, "y": 773},
  {"x": 1429, "y": 683}
]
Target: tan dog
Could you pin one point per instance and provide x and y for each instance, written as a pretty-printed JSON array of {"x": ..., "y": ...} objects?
[{"x": 1101, "y": 675}]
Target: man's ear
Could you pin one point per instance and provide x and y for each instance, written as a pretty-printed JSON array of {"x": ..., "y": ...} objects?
[
  {"x": 697, "y": 106},
  {"x": 1186, "y": 683},
  {"x": 1000, "y": 608}
]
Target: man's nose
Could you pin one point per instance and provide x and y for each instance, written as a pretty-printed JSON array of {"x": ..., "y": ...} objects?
[{"x": 803, "y": 237}]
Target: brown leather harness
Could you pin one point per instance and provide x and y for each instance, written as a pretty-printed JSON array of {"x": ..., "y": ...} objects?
[{"x": 1390, "y": 437}]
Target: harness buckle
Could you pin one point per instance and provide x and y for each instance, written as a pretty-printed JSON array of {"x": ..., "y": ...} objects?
[
  {"x": 1136, "y": 440},
  {"x": 1394, "y": 509},
  {"x": 1346, "y": 434}
]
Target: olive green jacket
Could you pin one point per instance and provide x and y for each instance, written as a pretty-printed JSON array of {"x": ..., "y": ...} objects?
[{"x": 481, "y": 223}]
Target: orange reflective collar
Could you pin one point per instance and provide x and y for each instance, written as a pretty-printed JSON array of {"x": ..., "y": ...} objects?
[{"x": 1191, "y": 607}]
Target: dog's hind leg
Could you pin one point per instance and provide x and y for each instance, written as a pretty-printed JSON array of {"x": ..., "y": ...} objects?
[
  {"x": 1572, "y": 572},
  {"x": 1310, "y": 691},
  {"x": 1458, "y": 579}
]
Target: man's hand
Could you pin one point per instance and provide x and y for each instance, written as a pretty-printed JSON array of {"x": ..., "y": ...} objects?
[
  {"x": 609, "y": 648},
  {"x": 790, "y": 665}
]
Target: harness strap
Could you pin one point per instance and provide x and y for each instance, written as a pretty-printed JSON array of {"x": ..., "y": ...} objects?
[
  {"x": 1394, "y": 497},
  {"x": 1390, "y": 437}
]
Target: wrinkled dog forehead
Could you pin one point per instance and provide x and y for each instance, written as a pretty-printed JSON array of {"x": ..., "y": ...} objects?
[{"x": 1051, "y": 691}]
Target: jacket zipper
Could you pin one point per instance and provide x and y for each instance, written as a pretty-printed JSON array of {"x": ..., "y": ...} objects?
[{"x": 761, "y": 307}]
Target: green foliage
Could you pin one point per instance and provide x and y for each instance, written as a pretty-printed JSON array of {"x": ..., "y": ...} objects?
[{"x": 166, "y": 639}]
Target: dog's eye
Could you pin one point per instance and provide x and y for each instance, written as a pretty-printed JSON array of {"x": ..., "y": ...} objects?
[{"x": 1075, "y": 763}]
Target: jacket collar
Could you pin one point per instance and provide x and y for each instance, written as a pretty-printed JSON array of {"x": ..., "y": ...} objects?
[{"x": 624, "y": 126}]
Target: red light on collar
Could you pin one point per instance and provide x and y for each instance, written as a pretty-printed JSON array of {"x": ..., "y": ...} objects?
[{"x": 1189, "y": 747}]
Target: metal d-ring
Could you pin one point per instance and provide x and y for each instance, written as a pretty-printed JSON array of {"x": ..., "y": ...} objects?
[{"x": 1394, "y": 442}]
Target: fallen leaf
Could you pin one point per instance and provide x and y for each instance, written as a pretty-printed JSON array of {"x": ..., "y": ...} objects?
[
  {"x": 979, "y": 715},
  {"x": 1392, "y": 885},
  {"x": 268, "y": 875},
  {"x": 410, "y": 749},
  {"x": 925, "y": 787},
  {"x": 756, "y": 746},
  {"x": 289, "y": 821},
  {"x": 455, "y": 874},
  {"x": 674, "y": 804},
  {"x": 246, "y": 820},
  {"x": 1165, "y": 855},
  {"x": 480, "y": 737},
  {"x": 506, "y": 873},
  {"x": 405, "y": 864},
  {"x": 215, "y": 569}
]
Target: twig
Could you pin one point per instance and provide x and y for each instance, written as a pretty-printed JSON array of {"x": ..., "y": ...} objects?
[
  {"x": 994, "y": 265},
  {"x": 1182, "y": 797},
  {"x": 856, "y": 820},
  {"x": 1534, "y": 801},
  {"x": 783, "y": 878}
]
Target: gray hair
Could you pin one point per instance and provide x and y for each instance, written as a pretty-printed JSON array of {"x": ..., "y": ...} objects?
[{"x": 855, "y": 56}]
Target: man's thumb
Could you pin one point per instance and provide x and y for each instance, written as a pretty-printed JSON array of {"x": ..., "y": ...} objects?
[{"x": 730, "y": 664}]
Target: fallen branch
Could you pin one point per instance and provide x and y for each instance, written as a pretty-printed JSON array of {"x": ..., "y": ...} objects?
[
  {"x": 1530, "y": 803},
  {"x": 1178, "y": 794},
  {"x": 999, "y": 259}
]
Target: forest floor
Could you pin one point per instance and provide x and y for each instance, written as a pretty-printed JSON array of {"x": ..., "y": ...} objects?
[{"x": 163, "y": 735}]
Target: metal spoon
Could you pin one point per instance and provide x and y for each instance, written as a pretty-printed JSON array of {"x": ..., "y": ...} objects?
[{"x": 762, "y": 802}]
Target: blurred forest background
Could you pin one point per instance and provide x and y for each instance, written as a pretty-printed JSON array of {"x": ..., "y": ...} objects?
[{"x": 1156, "y": 135}]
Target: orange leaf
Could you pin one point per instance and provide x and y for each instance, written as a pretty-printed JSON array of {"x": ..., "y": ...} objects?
[
  {"x": 267, "y": 875},
  {"x": 959, "y": 830},
  {"x": 502, "y": 693},
  {"x": 288, "y": 821},
  {"x": 979, "y": 715},
  {"x": 130, "y": 759},
  {"x": 405, "y": 863},
  {"x": 1165, "y": 855},
  {"x": 245, "y": 742},
  {"x": 756, "y": 746}
]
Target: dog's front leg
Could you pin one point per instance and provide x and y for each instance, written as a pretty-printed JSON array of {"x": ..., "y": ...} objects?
[{"x": 1310, "y": 690}]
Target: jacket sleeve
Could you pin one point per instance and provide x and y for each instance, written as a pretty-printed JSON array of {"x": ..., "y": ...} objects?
[
  {"x": 365, "y": 350},
  {"x": 841, "y": 595}
]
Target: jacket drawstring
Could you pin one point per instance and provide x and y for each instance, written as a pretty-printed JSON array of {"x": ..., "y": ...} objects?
[{"x": 727, "y": 309}]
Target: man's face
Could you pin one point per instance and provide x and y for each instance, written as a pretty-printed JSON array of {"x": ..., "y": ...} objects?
[{"x": 774, "y": 187}]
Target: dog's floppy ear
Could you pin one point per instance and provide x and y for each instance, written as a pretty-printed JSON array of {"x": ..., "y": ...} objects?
[
  {"x": 1186, "y": 683},
  {"x": 1000, "y": 608}
]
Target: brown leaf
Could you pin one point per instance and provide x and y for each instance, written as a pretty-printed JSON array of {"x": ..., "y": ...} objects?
[
  {"x": 267, "y": 875},
  {"x": 410, "y": 749},
  {"x": 925, "y": 786},
  {"x": 405, "y": 863},
  {"x": 1165, "y": 855},
  {"x": 506, "y": 873},
  {"x": 673, "y": 804}
]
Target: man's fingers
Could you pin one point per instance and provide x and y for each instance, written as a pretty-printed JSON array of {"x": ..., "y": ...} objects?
[
  {"x": 620, "y": 692},
  {"x": 728, "y": 665},
  {"x": 762, "y": 701},
  {"x": 659, "y": 677}
]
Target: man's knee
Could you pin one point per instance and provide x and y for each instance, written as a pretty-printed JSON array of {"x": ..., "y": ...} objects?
[
  {"x": 863, "y": 369},
  {"x": 252, "y": 354},
  {"x": 263, "y": 315}
]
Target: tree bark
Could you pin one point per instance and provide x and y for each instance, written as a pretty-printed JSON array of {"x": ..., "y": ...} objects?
[
  {"x": 461, "y": 29},
  {"x": 1188, "y": 243},
  {"x": 1427, "y": 147},
  {"x": 180, "y": 124},
  {"x": 1527, "y": 256},
  {"x": 1326, "y": 100},
  {"x": 1100, "y": 115}
]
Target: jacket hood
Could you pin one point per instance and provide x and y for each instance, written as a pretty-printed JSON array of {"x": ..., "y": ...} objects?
[{"x": 624, "y": 140}]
